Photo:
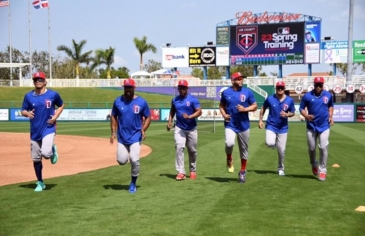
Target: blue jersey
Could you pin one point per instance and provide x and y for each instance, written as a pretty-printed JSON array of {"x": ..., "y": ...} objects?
[
  {"x": 275, "y": 122},
  {"x": 239, "y": 121},
  {"x": 44, "y": 106},
  {"x": 318, "y": 107},
  {"x": 130, "y": 118},
  {"x": 187, "y": 105}
]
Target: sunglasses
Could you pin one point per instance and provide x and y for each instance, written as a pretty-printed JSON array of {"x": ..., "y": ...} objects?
[
  {"x": 38, "y": 80},
  {"x": 318, "y": 85},
  {"x": 239, "y": 79},
  {"x": 182, "y": 87},
  {"x": 280, "y": 88}
]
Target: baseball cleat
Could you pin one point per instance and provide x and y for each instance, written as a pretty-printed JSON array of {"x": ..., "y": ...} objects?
[
  {"x": 242, "y": 176},
  {"x": 322, "y": 176},
  {"x": 230, "y": 166},
  {"x": 193, "y": 175},
  {"x": 180, "y": 176},
  {"x": 54, "y": 157},
  {"x": 40, "y": 187},
  {"x": 315, "y": 170},
  {"x": 281, "y": 173},
  {"x": 132, "y": 188}
]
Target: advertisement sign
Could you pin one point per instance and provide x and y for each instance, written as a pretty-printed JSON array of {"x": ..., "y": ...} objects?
[
  {"x": 267, "y": 44},
  {"x": 358, "y": 54},
  {"x": 222, "y": 36},
  {"x": 85, "y": 114},
  {"x": 222, "y": 56},
  {"x": 175, "y": 57},
  {"x": 155, "y": 114},
  {"x": 165, "y": 114},
  {"x": 312, "y": 31},
  {"x": 312, "y": 53},
  {"x": 360, "y": 113},
  {"x": 334, "y": 52},
  {"x": 16, "y": 115},
  {"x": 4, "y": 114},
  {"x": 343, "y": 113},
  {"x": 202, "y": 56},
  {"x": 211, "y": 114}
]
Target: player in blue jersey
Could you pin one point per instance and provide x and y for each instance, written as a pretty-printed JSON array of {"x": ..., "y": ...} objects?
[
  {"x": 186, "y": 108},
  {"x": 130, "y": 119},
  {"x": 319, "y": 113},
  {"x": 235, "y": 104},
  {"x": 280, "y": 108},
  {"x": 39, "y": 106}
]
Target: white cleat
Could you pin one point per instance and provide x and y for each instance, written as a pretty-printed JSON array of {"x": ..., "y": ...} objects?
[{"x": 281, "y": 173}]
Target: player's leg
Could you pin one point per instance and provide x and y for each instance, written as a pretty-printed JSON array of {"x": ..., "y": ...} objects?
[
  {"x": 270, "y": 139},
  {"x": 35, "y": 147},
  {"x": 242, "y": 140},
  {"x": 281, "y": 146},
  {"x": 180, "y": 141},
  {"x": 48, "y": 150},
  {"x": 311, "y": 141},
  {"x": 191, "y": 145},
  {"x": 230, "y": 137},
  {"x": 323, "y": 153},
  {"x": 122, "y": 153},
  {"x": 134, "y": 151}
]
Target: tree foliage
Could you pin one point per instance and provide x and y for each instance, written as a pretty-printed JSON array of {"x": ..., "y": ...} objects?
[
  {"x": 104, "y": 57},
  {"x": 143, "y": 47},
  {"x": 152, "y": 65}
]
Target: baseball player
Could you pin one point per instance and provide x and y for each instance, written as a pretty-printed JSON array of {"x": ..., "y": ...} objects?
[
  {"x": 187, "y": 109},
  {"x": 280, "y": 108},
  {"x": 319, "y": 113},
  {"x": 39, "y": 106},
  {"x": 234, "y": 106},
  {"x": 130, "y": 118}
]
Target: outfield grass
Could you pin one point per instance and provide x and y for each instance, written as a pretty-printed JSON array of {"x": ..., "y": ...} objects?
[{"x": 98, "y": 202}]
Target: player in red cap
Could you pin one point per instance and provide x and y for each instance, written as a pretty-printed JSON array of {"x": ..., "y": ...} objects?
[
  {"x": 127, "y": 126},
  {"x": 39, "y": 106},
  {"x": 186, "y": 108},
  {"x": 319, "y": 113},
  {"x": 235, "y": 104},
  {"x": 280, "y": 108}
]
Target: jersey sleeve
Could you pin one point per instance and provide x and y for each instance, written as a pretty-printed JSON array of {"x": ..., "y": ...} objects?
[
  {"x": 291, "y": 106},
  {"x": 58, "y": 100},
  {"x": 302, "y": 103},
  {"x": 251, "y": 98},
  {"x": 330, "y": 102},
  {"x": 223, "y": 97},
  {"x": 25, "y": 105},
  {"x": 114, "y": 109},
  {"x": 196, "y": 103},
  {"x": 146, "y": 109},
  {"x": 266, "y": 103}
]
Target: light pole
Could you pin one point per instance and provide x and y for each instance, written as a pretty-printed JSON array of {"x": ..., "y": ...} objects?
[{"x": 350, "y": 96}]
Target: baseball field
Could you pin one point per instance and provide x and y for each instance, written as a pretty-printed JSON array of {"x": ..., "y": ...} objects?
[{"x": 98, "y": 203}]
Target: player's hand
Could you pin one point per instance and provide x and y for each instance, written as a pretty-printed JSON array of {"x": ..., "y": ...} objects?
[
  {"x": 261, "y": 125},
  {"x": 143, "y": 135},
  {"x": 227, "y": 117},
  {"x": 112, "y": 137},
  {"x": 283, "y": 114},
  {"x": 52, "y": 120},
  {"x": 331, "y": 121},
  {"x": 169, "y": 125},
  {"x": 31, "y": 114},
  {"x": 241, "y": 108},
  {"x": 309, "y": 117}
]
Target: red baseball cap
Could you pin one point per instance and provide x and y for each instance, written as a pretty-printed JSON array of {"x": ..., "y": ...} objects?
[
  {"x": 236, "y": 75},
  {"x": 183, "y": 83},
  {"x": 280, "y": 84},
  {"x": 39, "y": 74},
  {"x": 318, "y": 80},
  {"x": 129, "y": 83}
]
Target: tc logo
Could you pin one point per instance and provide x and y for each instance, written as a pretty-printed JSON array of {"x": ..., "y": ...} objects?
[{"x": 246, "y": 38}]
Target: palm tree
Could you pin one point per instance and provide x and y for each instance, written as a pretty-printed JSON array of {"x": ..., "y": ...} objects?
[
  {"x": 143, "y": 47},
  {"x": 75, "y": 53},
  {"x": 104, "y": 57}
]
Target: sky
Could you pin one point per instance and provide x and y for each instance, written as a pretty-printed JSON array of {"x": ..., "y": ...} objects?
[{"x": 114, "y": 23}]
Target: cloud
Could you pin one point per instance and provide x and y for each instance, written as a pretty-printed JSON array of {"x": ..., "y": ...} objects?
[{"x": 119, "y": 61}]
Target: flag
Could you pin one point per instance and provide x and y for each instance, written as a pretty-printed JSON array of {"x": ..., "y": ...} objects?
[
  {"x": 4, "y": 3},
  {"x": 40, "y": 4}
]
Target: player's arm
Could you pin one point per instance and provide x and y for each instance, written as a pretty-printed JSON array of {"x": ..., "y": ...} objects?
[
  {"x": 59, "y": 111},
  {"x": 171, "y": 116},
  {"x": 113, "y": 124},
  {"x": 252, "y": 107},
  {"x": 222, "y": 109},
  {"x": 330, "y": 113},
  {"x": 197, "y": 113},
  {"x": 262, "y": 112}
]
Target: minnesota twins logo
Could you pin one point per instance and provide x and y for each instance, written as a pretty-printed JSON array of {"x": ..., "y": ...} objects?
[
  {"x": 285, "y": 107},
  {"x": 246, "y": 38},
  {"x": 325, "y": 100},
  {"x": 242, "y": 97},
  {"x": 136, "y": 109},
  {"x": 188, "y": 104}
]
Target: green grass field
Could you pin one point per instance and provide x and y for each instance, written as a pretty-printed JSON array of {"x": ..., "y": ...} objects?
[{"x": 98, "y": 202}]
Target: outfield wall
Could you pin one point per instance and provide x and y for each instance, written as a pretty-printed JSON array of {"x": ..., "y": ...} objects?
[{"x": 342, "y": 113}]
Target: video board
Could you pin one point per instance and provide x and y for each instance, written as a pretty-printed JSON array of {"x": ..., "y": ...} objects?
[{"x": 267, "y": 44}]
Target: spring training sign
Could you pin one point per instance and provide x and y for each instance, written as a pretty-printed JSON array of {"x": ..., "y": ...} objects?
[{"x": 245, "y": 18}]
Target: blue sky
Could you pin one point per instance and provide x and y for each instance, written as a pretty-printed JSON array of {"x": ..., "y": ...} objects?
[{"x": 115, "y": 22}]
